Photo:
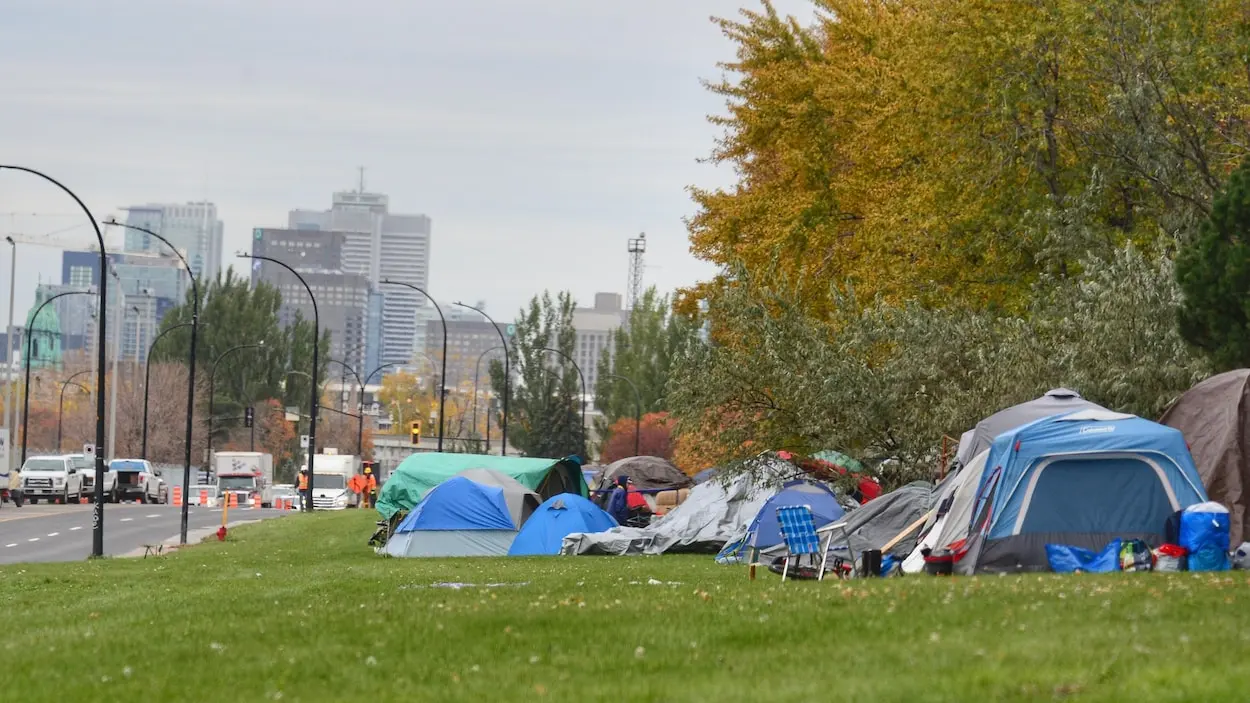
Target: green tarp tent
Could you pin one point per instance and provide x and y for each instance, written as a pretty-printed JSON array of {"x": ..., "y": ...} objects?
[{"x": 417, "y": 474}]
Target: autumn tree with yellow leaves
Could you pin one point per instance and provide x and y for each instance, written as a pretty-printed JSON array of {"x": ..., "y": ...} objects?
[{"x": 910, "y": 171}]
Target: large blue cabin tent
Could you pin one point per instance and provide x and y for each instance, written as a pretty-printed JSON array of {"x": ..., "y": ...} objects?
[{"x": 1083, "y": 478}]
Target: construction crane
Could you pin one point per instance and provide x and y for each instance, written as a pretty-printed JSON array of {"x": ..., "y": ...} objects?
[{"x": 637, "y": 246}]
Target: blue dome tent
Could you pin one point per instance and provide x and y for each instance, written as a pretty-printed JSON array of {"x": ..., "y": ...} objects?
[
  {"x": 555, "y": 519},
  {"x": 1081, "y": 479},
  {"x": 461, "y": 517},
  {"x": 764, "y": 531}
]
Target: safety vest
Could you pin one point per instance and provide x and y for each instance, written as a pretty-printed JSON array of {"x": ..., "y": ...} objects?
[{"x": 303, "y": 482}]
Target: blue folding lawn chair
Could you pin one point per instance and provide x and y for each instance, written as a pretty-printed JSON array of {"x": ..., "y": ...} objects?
[{"x": 798, "y": 529}]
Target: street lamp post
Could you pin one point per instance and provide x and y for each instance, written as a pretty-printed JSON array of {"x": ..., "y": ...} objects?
[
  {"x": 507, "y": 374},
  {"x": 312, "y": 430},
  {"x": 442, "y": 395},
  {"x": 26, "y": 362},
  {"x": 578, "y": 369},
  {"x": 8, "y": 353},
  {"x": 147, "y": 384},
  {"x": 195, "y": 328},
  {"x": 60, "y": 407},
  {"x": 477, "y": 369},
  {"x": 97, "y": 517},
  {"x": 637, "y": 409},
  {"x": 212, "y": 387},
  {"x": 360, "y": 410}
]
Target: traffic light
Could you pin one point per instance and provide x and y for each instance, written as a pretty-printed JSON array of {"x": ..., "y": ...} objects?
[
  {"x": 248, "y": 417},
  {"x": 416, "y": 432}
]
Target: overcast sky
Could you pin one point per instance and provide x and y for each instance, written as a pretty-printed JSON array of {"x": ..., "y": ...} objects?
[{"x": 538, "y": 134}]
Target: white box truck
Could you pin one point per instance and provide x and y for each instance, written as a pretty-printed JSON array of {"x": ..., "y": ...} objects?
[
  {"x": 331, "y": 472},
  {"x": 248, "y": 474}
]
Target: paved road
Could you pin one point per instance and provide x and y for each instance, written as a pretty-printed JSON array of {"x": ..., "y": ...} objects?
[{"x": 63, "y": 532}]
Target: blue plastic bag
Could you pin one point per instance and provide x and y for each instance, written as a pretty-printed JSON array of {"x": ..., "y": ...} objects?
[
  {"x": 1205, "y": 534},
  {"x": 1066, "y": 559}
]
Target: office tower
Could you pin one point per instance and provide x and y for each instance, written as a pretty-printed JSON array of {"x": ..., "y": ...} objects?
[
  {"x": 192, "y": 227},
  {"x": 342, "y": 298},
  {"x": 380, "y": 245}
]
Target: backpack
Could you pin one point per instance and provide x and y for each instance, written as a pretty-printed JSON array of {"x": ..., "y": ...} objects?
[{"x": 1135, "y": 556}]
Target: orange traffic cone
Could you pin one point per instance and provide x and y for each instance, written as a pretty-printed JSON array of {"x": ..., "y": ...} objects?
[
  {"x": 204, "y": 498},
  {"x": 178, "y": 495},
  {"x": 256, "y": 502},
  {"x": 234, "y": 500}
]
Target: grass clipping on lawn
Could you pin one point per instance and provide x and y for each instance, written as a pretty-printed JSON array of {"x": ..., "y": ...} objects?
[{"x": 299, "y": 609}]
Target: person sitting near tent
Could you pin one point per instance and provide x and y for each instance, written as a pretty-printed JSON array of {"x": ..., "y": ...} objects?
[{"x": 628, "y": 507}]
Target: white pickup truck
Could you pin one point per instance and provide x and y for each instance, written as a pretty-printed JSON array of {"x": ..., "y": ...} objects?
[
  {"x": 137, "y": 479},
  {"x": 86, "y": 467},
  {"x": 53, "y": 478}
]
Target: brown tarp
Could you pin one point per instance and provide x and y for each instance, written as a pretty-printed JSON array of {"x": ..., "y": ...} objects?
[
  {"x": 1214, "y": 416},
  {"x": 647, "y": 473}
]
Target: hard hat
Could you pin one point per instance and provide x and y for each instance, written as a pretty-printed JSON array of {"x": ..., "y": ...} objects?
[{"x": 368, "y": 469}]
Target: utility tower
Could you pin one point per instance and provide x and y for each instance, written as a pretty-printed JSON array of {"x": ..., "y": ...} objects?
[{"x": 637, "y": 247}]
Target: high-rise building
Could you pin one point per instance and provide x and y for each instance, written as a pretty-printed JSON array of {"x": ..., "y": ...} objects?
[
  {"x": 151, "y": 284},
  {"x": 192, "y": 227},
  {"x": 595, "y": 327},
  {"x": 342, "y": 298},
  {"x": 373, "y": 333},
  {"x": 469, "y": 337},
  {"x": 380, "y": 245}
]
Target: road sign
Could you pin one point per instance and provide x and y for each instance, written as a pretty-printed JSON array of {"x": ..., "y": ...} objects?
[
  {"x": 248, "y": 417},
  {"x": 303, "y": 441}
]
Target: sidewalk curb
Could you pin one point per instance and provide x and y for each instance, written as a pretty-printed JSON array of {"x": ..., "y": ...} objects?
[{"x": 194, "y": 537}]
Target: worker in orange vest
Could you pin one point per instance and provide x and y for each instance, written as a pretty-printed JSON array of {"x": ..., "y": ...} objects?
[
  {"x": 370, "y": 488},
  {"x": 357, "y": 486},
  {"x": 303, "y": 480}
]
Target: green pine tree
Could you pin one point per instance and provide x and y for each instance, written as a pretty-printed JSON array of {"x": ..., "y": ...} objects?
[
  {"x": 1213, "y": 271},
  {"x": 545, "y": 408}
]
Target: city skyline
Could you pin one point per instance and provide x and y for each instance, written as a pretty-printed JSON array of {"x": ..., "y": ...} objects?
[{"x": 536, "y": 168}]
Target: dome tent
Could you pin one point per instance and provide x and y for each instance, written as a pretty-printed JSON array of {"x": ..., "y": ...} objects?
[
  {"x": 649, "y": 473},
  {"x": 555, "y": 519},
  {"x": 1214, "y": 415},
  {"x": 1079, "y": 479},
  {"x": 415, "y": 476},
  {"x": 764, "y": 531},
  {"x": 461, "y": 517}
]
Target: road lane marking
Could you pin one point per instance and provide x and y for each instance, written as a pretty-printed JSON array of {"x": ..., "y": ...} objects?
[
  {"x": 33, "y": 539},
  {"x": 127, "y": 519},
  {"x": 156, "y": 515},
  {"x": 11, "y": 545},
  {"x": 53, "y": 534},
  {"x": 75, "y": 528}
]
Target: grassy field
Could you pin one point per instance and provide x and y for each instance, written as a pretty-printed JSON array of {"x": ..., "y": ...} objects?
[{"x": 298, "y": 609}]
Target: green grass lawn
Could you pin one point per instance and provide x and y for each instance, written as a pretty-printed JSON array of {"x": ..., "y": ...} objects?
[{"x": 298, "y": 609}]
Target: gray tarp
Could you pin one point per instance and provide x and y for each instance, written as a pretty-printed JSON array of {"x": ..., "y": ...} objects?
[
  {"x": 1054, "y": 402},
  {"x": 881, "y": 519},
  {"x": 1214, "y": 416},
  {"x": 716, "y": 512},
  {"x": 647, "y": 473}
]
